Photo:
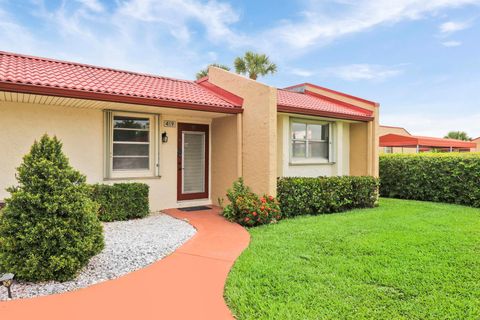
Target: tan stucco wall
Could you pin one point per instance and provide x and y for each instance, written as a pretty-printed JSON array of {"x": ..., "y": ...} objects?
[
  {"x": 224, "y": 155},
  {"x": 81, "y": 131},
  {"x": 398, "y": 150},
  {"x": 259, "y": 128},
  {"x": 358, "y": 149},
  {"x": 341, "y": 150},
  {"x": 383, "y": 130},
  {"x": 340, "y": 97},
  {"x": 477, "y": 141}
]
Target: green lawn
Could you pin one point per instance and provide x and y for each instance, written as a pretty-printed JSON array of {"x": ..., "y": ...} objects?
[{"x": 402, "y": 260}]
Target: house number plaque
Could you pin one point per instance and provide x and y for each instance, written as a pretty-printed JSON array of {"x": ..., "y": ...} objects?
[{"x": 169, "y": 124}]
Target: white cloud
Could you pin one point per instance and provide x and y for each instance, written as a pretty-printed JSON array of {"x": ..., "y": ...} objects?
[
  {"x": 216, "y": 17},
  {"x": 318, "y": 26},
  {"x": 432, "y": 124},
  {"x": 93, "y": 5},
  {"x": 452, "y": 26},
  {"x": 301, "y": 72},
  {"x": 355, "y": 72},
  {"x": 451, "y": 43},
  {"x": 174, "y": 37}
]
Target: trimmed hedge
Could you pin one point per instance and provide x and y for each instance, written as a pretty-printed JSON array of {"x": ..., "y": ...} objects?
[
  {"x": 121, "y": 201},
  {"x": 298, "y": 195},
  {"x": 438, "y": 177}
]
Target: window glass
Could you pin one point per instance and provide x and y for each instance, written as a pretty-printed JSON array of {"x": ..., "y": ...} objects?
[
  {"x": 309, "y": 140},
  {"x": 298, "y": 131},
  {"x": 318, "y": 149},
  {"x": 299, "y": 149},
  {"x": 131, "y": 143},
  {"x": 314, "y": 131},
  {"x": 131, "y": 123}
]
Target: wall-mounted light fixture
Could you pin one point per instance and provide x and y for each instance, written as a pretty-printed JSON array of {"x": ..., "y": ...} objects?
[{"x": 164, "y": 137}]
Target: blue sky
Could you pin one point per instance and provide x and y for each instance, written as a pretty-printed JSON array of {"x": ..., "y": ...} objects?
[{"x": 420, "y": 59}]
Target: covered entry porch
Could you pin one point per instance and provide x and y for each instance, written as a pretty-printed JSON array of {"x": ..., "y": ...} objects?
[{"x": 187, "y": 157}]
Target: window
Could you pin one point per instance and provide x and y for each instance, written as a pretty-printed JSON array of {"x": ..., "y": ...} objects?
[
  {"x": 388, "y": 149},
  {"x": 310, "y": 141},
  {"x": 131, "y": 143}
]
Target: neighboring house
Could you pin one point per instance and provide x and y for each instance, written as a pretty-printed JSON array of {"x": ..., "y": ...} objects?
[
  {"x": 477, "y": 142},
  {"x": 399, "y": 140},
  {"x": 384, "y": 130},
  {"x": 188, "y": 140}
]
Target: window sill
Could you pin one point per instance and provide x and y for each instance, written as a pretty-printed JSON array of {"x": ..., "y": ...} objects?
[
  {"x": 132, "y": 178},
  {"x": 309, "y": 163}
]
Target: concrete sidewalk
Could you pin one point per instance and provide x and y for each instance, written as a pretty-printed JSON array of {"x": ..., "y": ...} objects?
[{"x": 188, "y": 284}]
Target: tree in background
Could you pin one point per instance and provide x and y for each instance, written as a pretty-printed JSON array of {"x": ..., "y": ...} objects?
[
  {"x": 254, "y": 64},
  {"x": 49, "y": 228},
  {"x": 204, "y": 72},
  {"x": 459, "y": 135}
]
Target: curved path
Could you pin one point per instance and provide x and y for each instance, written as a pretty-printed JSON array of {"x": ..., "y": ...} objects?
[{"x": 188, "y": 284}]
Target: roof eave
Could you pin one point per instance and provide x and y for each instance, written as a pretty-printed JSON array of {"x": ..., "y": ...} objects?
[
  {"x": 92, "y": 95},
  {"x": 320, "y": 113}
]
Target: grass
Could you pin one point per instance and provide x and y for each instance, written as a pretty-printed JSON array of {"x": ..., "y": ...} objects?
[{"x": 402, "y": 260}]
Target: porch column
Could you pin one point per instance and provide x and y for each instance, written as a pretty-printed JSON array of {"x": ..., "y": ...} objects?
[{"x": 259, "y": 128}]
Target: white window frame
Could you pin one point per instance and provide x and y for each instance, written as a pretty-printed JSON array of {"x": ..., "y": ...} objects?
[
  {"x": 153, "y": 146},
  {"x": 296, "y": 160}
]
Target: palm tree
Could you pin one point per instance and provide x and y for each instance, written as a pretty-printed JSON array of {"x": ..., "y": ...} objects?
[
  {"x": 254, "y": 65},
  {"x": 204, "y": 72},
  {"x": 459, "y": 135}
]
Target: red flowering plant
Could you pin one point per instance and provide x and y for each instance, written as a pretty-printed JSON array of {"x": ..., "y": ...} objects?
[{"x": 248, "y": 209}]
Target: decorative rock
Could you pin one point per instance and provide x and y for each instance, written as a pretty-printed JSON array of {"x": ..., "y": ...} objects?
[{"x": 129, "y": 246}]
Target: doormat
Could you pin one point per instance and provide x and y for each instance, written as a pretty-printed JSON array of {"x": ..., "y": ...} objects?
[{"x": 197, "y": 208}]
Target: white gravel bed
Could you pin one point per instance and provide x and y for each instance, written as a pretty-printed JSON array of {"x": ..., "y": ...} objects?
[{"x": 129, "y": 246}]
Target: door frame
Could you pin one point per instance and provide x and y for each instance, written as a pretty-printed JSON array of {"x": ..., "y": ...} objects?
[{"x": 205, "y": 128}]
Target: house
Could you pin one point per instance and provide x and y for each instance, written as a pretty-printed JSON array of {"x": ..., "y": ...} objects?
[
  {"x": 384, "y": 130},
  {"x": 188, "y": 140},
  {"x": 425, "y": 144}
]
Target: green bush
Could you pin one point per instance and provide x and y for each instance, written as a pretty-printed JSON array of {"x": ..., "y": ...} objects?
[
  {"x": 439, "y": 177},
  {"x": 121, "y": 201},
  {"x": 299, "y": 195},
  {"x": 49, "y": 228},
  {"x": 248, "y": 209}
]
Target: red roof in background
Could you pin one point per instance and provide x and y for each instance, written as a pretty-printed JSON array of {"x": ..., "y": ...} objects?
[
  {"x": 396, "y": 140},
  {"x": 311, "y": 104},
  {"x": 29, "y": 74}
]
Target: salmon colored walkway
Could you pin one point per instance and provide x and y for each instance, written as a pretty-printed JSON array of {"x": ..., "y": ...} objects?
[{"x": 188, "y": 284}]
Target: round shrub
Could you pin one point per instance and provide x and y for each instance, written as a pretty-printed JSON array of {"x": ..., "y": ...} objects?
[
  {"x": 49, "y": 228},
  {"x": 248, "y": 209}
]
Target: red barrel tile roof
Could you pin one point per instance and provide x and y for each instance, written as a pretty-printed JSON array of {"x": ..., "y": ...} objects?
[
  {"x": 29, "y": 74},
  {"x": 303, "y": 103},
  {"x": 50, "y": 73}
]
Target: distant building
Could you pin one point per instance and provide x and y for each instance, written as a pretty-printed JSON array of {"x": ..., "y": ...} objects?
[
  {"x": 384, "y": 130},
  {"x": 399, "y": 140},
  {"x": 477, "y": 142}
]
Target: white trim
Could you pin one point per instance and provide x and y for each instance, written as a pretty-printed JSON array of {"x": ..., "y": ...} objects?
[
  {"x": 153, "y": 140},
  {"x": 201, "y": 133},
  {"x": 306, "y": 160}
]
